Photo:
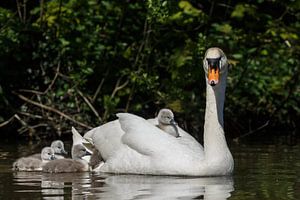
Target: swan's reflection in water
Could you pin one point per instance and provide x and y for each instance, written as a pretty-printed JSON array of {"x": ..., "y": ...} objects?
[
  {"x": 105, "y": 186},
  {"x": 157, "y": 187}
]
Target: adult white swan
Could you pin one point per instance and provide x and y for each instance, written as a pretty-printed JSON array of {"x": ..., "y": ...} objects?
[{"x": 132, "y": 144}]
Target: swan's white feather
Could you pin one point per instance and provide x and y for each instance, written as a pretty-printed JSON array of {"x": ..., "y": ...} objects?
[
  {"x": 135, "y": 145},
  {"x": 132, "y": 144},
  {"x": 78, "y": 139}
]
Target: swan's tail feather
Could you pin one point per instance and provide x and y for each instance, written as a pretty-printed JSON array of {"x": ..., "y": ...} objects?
[{"x": 78, "y": 139}]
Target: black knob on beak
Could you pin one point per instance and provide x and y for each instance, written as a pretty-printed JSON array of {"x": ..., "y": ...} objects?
[{"x": 212, "y": 83}]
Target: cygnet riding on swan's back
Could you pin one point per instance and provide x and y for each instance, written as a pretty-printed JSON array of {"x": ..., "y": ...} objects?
[
  {"x": 59, "y": 150},
  {"x": 132, "y": 144},
  {"x": 32, "y": 163},
  {"x": 76, "y": 164},
  {"x": 166, "y": 122}
]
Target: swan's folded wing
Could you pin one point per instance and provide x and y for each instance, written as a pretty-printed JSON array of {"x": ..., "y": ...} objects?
[
  {"x": 153, "y": 121},
  {"x": 145, "y": 138},
  {"x": 106, "y": 138},
  {"x": 187, "y": 139}
]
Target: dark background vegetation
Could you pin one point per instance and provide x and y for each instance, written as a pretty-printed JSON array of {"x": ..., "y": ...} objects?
[{"x": 76, "y": 63}]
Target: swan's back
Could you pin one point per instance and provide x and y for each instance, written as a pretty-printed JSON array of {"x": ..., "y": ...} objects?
[
  {"x": 132, "y": 144},
  {"x": 162, "y": 152},
  {"x": 142, "y": 136},
  {"x": 141, "y": 132},
  {"x": 106, "y": 138}
]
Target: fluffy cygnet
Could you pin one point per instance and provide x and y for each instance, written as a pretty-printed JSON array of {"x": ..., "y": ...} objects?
[
  {"x": 96, "y": 160},
  {"x": 76, "y": 164},
  {"x": 167, "y": 123},
  {"x": 34, "y": 164},
  {"x": 59, "y": 150}
]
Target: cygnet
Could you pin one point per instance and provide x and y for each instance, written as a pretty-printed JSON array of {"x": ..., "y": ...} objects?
[
  {"x": 167, "y": 123},
  {"x": 76, "y": 164},
  {"x": 34, "y": 164},
  {"x": 59, "y": 150}
]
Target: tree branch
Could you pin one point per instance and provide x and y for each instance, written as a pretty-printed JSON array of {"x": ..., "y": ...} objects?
[
  {"x": 100, "y": 85},
  {"x": 48, "y": 88},
  {"x": 90, "y": 105},
  {"x": 118, "y": 87},
  {"x": 52, "y": 110},
  {"x": 7, "y": 121},
  {"x": 252, "y": 131}
]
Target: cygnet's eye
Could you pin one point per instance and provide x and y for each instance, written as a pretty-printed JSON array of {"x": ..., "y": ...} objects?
[{"x": 59, "y": 147}]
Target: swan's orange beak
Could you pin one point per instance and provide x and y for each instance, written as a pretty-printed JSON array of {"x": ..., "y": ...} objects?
[{"x": 213, "y": 76}]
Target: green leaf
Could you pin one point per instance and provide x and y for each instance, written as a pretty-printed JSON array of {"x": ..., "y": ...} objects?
[
  {"x": 241, "y": 9},
  {"x": 264, "y": 52},
  {"x": 189, "y": 9},
  {"x": 224, "y": 28},
  {"x": 237, "y": 56}
]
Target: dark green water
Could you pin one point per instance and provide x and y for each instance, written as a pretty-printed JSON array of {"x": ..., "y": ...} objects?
[{"x": 262, "y": 171}]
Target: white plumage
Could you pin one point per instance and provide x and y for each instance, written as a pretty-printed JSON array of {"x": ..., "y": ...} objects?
[{"x": 132, "y": 144}]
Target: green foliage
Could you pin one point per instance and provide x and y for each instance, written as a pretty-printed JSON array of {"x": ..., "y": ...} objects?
[
  {"x": 241, "y": 10},
  {"x": 89, "y": 59}
]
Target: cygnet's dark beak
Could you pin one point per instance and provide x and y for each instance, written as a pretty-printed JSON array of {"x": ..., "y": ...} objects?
[
  {"x": 87, "y": 153},
  {"x": 52, "y": 157},
  {"x": 174, "y": 124},
  {"x": 64, "y": 152}
]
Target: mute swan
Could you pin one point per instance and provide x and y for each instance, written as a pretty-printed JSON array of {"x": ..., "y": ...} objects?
[
  {"x": 166, "y": 122},
  {"x": 59, "y": 150},
  {"x": 32, "y": 163},
  {"x": 132, "y": 144},
  {"x": 76, "y": 164}
]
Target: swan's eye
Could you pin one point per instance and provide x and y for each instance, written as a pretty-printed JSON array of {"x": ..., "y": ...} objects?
[{"x": 214, "y": 62}]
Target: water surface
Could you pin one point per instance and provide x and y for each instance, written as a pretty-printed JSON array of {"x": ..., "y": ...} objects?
[{"x": 262, "y": 171}]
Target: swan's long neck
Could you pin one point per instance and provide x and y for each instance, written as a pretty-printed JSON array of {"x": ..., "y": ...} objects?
[
  {"x": 215, "y": 97},
  {"x": 215, "y": 146}
]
